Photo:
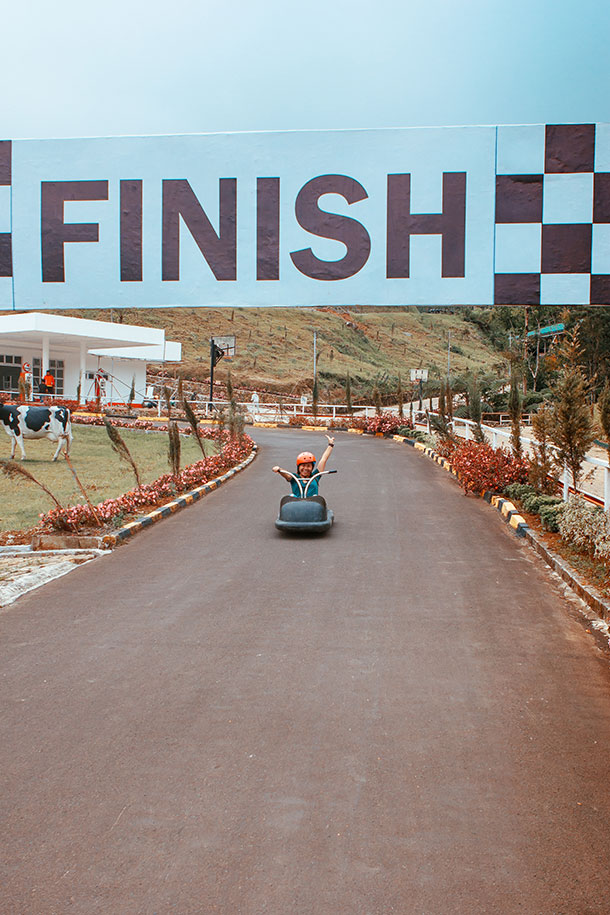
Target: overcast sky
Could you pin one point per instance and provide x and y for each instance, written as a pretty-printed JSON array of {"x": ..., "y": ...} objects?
[{"x": 192, "y": 66}]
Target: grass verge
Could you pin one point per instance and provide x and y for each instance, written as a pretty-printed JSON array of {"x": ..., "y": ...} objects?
[{"x": 103, "y": 474}]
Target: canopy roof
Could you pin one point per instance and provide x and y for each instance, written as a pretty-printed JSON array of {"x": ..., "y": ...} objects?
[{"x": 101, "y": 337}]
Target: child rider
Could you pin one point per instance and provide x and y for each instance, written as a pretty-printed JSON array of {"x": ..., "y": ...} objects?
[{"x": 306, "y": 463}]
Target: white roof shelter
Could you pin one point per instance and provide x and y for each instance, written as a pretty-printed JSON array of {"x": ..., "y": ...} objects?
[{"x": 78, "y": 347}]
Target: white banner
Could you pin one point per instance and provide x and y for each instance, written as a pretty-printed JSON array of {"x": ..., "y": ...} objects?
[{"x": 474, "y": 215}]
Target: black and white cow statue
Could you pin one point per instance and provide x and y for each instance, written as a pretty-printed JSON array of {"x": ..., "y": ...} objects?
[{"x": 37, "y": 422}]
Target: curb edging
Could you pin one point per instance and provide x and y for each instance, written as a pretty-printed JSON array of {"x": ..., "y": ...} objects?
[{"x": 170, "y": 508}]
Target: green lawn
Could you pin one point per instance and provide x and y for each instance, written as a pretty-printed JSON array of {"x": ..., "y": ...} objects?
[{"x": 100, "y": 470}]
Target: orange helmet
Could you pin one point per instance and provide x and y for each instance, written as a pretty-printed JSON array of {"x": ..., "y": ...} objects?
[{"x": 306, "y": 457}]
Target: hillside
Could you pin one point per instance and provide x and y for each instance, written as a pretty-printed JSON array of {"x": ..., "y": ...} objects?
[{"x": 275, "y": 345}]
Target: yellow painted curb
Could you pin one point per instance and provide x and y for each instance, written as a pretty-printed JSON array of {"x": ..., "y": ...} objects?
[
  {"x": 516, "y": 520},
  {"x": 355, "y": 431},
  {"x": 419, "y": 446},
  {"x": 398, "y": 438},
  {"x": 315, "y": 428},
  {"x": 507, "y": 508},
  {"x": 267, "y": 425}
]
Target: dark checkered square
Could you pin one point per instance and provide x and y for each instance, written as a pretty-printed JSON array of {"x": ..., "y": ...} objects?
[
  {"x": 600, "y": 289},
  {"x": 519, "y": 198},
  {"x": 6, "y": 254},
  {"x": 601, "y": 197},
  {"x": 517, "y": 289},
  {"x": 5, "y": 162},
  {"x": 566, "y": 249},
  {"x": 569, "y": 148}
]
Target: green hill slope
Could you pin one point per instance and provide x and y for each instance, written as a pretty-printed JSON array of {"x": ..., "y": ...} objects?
[{"x": 275, "y": 345}]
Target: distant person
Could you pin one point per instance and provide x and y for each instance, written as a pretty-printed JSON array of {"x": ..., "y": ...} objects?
[
  {"x": 306, "y": 467},
  {"x": 49, "y": 382}
]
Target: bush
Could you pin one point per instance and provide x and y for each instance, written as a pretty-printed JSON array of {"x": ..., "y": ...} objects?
[
  {"x": 519, "y": 491},
  {"x": 482, "y": 468},
  {"x": 582, "y": 524},
  {"x": 549, "y": 516},
  {"x": 534, "y": 502}
]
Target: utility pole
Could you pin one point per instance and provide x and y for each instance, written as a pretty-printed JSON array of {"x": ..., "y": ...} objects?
[
  {"x": 315, "y": 358},
  {"x": 216, "y": 355},
  {"x": 448, "y": 356}
]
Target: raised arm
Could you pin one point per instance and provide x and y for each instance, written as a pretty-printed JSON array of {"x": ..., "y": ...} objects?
[
  {"x": 327, "y": 453},
  {"x": 282, "y": 473}
]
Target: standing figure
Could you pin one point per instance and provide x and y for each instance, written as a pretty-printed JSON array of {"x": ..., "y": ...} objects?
[
  {"x": 49, "y": 382},
  {"x": 25, "y": 383}
]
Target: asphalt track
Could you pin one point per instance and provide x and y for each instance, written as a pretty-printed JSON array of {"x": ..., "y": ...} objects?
[{"x": 405, "y": 716}]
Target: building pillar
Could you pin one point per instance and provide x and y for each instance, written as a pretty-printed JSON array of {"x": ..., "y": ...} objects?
[
  {"x": 83, "y": 368},
  {"x": 44, "y": 366}
]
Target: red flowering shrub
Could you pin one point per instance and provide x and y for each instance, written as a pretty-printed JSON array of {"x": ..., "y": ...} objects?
[
  {"x": 72, "y": 405},
  {"x": 304, "y": 419},
  {"x": 165, "y": 488},
  {"x": 445, "y": 447},
  {"x": 481, "y": 467},
  {"x": 382, "y": 422}
]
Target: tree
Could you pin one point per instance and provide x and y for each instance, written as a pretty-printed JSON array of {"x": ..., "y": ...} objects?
[
  {"x": 132, "y": 392},
  {"x": 194, "y": 424},
  {"x": 603, "y": 405},
  {"x": 449, "y": 401},
  {"x": 120, "y": 448},
  {"x": 173, "y": 455},
  {"x": 572, "y": 426},
  {"x": 442, "y": 404},
  {"x": 236, "y": 419},
  {"x": 377, "y": 399},
  {"x": 543, "y": 463},
  {"x": 514, "y": 408},
  {"x": 168, "y": 400},
  {"x": 475, "y": 409},
  {"x": 348, "y": 394}
]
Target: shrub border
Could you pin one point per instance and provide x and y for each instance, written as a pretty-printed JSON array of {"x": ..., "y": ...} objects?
[
  {"x": 591, "y": 596},
  {"x": 170, "y": 508}
]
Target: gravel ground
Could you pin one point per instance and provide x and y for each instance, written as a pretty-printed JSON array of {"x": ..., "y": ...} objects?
[{"x": 20, "y": 574}]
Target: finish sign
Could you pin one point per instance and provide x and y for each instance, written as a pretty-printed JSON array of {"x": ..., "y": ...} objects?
[{"x": 471, "y": 215}]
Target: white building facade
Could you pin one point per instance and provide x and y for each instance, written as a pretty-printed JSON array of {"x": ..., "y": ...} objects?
[{"x": 85, "y": 357}]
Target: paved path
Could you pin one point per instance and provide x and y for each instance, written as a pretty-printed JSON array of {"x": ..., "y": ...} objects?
[{"x": 403, "y": 717}]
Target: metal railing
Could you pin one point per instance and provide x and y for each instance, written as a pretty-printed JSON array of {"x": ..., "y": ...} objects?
[{"x": 501, "y": 436}]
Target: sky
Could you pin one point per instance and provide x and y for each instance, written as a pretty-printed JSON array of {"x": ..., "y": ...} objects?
[{"x": 196, "y": 66}]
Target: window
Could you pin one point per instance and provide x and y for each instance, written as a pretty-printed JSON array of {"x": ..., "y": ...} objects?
[
  {"x": 9, "y": 373},
  {"x": 56, "y": 368}
]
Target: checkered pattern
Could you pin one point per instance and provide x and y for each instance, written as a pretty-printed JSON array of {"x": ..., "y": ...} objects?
[
  {"x": 6, "y": 254},
  {"x": 552, "y": 234},
  {"x": 552, "y": 222}
]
